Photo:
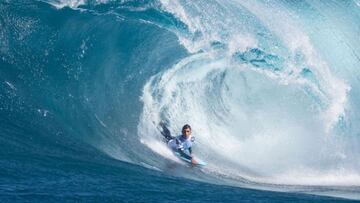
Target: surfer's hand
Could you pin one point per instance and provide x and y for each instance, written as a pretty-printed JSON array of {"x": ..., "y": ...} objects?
[{"x": 193, "y": 161}]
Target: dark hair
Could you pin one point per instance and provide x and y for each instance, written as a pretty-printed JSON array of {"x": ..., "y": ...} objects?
[{"x": 186, "y": 126}]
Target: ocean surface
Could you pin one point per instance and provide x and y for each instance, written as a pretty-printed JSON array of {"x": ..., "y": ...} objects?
[{"x": 270, "y": 88}]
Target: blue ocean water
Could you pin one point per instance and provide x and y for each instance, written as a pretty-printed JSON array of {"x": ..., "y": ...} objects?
[{"x": 270, "y": 88}]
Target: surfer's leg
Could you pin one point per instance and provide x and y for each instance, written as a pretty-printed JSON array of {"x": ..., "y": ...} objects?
[{"x": 165, "y": 132}]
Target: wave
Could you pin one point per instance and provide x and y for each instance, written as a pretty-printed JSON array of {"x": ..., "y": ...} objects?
[
  {"x": 262, "y": 97},
  {"x": 270, "y": 88}
]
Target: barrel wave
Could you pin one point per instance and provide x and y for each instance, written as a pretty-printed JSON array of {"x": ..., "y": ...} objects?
[{"x": 270, "y": 88}]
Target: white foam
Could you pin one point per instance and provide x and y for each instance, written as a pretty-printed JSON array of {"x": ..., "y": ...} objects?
[
  {"x": 74, "y": 4},
  {"x": 59, "y": 4},
  {"x": 10, "y": 85},
  {"x": 339, "y": 177},
  {"x": 357, "y": 2},
  {"x": 160, "y": 148},
  {"x": 241, "y": 43},
  {"x": 297, "y": 41}
]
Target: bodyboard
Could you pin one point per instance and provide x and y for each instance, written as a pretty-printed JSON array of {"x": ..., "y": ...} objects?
[{"x": 199, "y": 161}]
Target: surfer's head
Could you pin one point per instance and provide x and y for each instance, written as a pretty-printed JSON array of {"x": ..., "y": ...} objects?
[{"x": 186, "y": 131}]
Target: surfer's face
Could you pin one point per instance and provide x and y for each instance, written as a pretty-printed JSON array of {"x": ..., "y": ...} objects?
[{"x": 187, "y": 132}]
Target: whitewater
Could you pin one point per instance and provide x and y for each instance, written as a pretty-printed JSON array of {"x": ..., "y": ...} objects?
[{"x": 270, "y": 88}]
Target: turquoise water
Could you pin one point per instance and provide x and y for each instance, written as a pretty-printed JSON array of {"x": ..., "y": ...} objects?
[{"x": 270, "y": 88}]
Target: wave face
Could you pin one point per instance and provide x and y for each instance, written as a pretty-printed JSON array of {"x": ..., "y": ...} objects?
[{"x": 270, "y": 89}]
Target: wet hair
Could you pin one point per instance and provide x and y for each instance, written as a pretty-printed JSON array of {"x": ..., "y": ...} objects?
[{"x": 186, "y": 126}]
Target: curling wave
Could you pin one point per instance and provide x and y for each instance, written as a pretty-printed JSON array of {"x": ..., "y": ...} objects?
[{"x": 265, "y": 101}]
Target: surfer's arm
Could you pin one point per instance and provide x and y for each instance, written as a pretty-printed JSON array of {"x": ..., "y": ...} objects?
[{"x": 183, "y": 154}]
